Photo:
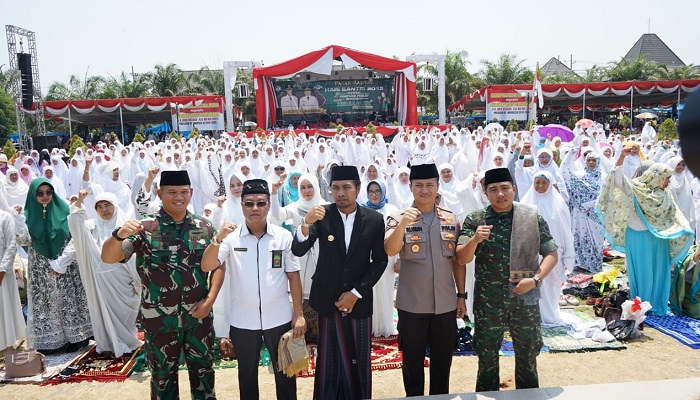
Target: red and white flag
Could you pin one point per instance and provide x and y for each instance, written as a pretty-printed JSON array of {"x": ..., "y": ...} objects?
[{"x": 537, "y": 86}]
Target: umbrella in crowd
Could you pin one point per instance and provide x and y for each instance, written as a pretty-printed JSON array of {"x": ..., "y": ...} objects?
[
  {"x": 585, "y": 123},
  {"x": 646, "y": 115},
  {"x": 555, "y": 130}
]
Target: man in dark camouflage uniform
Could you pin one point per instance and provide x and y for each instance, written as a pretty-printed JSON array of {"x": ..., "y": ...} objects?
[
  {"x": 176, "y": 302},
  {"x": 503, "y": 300}
]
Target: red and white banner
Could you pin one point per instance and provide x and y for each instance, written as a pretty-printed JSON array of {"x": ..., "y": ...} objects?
[
  {"x": 205, "y": 116},
  {"x": 321, "y": 62},
  {"x": 507, "y": 104}
]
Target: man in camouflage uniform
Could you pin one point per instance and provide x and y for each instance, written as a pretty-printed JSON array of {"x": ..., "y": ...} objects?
[
  {"x": 504, "y": 298},
  {"x": 176, "y": 302}
]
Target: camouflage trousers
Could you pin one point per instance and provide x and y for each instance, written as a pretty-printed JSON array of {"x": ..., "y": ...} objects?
[
  {"x": 163, "y": 354},
  {"x": 523, "y": 322}
]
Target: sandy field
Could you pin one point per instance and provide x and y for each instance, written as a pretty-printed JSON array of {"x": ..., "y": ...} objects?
[{"x": 653, "y": 357}]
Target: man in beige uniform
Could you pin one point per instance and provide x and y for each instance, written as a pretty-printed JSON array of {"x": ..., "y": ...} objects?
[{"x": 425, "y": 236}]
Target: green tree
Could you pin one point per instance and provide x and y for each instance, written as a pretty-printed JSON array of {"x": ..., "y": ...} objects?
[
  {"x": 512, "y": 126},
  {"x": 8, "y": 119},
  {"x": 639, "y": 69},
  {"x": 90, "y": 87},
  {"x": 682, "y": 72},
  {"x": 594, "y": 74},
  {"x": 138, "y": 85},
  {"x": 9, "y": 149},
  {"x": 6, "y": 78},
  {"x": 667, "y": 130},
  {"x": 75, "y": 143},
  {"x": 561, "y": 78},
  {"x": 508, "y": 69},
  {"x": 208, "y": 81},
  {"x": 168, "y": 80},
  {"x": 625, "y": 121},
  {"x": 458, "y": 81},
  {"x": 139, "y": 138}
]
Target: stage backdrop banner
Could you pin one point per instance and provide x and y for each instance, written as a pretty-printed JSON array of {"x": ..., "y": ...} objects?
[
  {"x": 350, "y": 96},
  {"x": 506, "y": 104},
  {"x": 206, "y": 116}
]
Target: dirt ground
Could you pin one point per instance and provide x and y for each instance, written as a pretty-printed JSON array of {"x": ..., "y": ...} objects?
[{"x": 655, "y": 356}]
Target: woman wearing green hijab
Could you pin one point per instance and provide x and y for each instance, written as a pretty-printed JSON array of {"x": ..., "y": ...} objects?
[{"x": 57, "y": 306}]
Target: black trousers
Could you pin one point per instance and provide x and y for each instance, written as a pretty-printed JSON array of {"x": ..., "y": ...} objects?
[
  {"x": 247, "y": 345},
  {"x": 415, "y": 332}
]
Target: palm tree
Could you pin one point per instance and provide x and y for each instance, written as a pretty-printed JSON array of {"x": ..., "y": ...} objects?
[
  {"x": 137, "y": 86},
  {"x": 594, "y": 74},
  {"x": 6, "y": 78},
  {"x": 91, "y": 87},
  {"x": 683, "y": 72},
  {"x": 458, "y": 81},
  {"x": 508, "y": 69},
  {"x": 208, "y": 81},
  {"x": 639, "y": 69},
  {"x": 168, "y": 80}
]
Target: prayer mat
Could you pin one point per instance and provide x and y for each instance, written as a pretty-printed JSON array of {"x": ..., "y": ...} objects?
[
  {"x": 682, "y": 328},
  {"x": 557, "y": 339},
  {"x": 384, "y": 355},
  {"x": 55, "y": 363},
  {"x": 92, "y": 366}
]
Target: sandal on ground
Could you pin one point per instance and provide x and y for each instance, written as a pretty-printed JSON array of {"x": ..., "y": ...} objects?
[
  {"x": 570, "y": 299},
  {"x": 562, "y": 300}
]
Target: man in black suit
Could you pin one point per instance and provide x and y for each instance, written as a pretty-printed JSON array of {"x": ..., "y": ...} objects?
[{"x": 350, "y": 262}]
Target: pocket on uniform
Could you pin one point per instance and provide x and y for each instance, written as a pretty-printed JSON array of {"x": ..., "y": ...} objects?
[
  {"x": 414, "y": 247},
  {"x": 158, "y": 258},
  {"x": 448, "y": 244}
]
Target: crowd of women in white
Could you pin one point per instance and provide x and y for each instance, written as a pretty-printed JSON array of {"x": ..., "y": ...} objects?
[{"x": 564, "y": 179}]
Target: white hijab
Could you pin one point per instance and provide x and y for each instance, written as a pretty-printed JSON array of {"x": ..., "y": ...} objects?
[{"x": 104, "y": 228}]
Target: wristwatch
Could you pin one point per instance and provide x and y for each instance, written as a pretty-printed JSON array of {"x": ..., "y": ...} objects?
[
  {"x": 215, "y": 241},
  {"x": 116, "y": 236},
  {"x": 462, "y": 296},
  {"x": 538, "y": 281}
]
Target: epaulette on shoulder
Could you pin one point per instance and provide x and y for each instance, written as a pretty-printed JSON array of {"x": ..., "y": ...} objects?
[{"x": 445, "y": 210}]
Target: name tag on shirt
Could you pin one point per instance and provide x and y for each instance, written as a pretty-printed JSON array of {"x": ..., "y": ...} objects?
[
  {"x": 240, "y": 249},
  {"x": 276, "y": 258}
]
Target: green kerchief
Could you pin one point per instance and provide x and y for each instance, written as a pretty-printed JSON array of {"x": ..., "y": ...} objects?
[{"x": 48, "y": 233}]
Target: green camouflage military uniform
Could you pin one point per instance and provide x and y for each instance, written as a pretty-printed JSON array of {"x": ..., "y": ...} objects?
[
  {"x": 495, "y": 310},
  {"x": 168, "y": 257}
]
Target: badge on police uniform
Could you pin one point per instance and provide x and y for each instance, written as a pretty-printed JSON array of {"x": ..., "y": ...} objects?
[
  {"x": 276, "y": 258},
  {"x": 449, "y": 236},
  {"x": 450, "y": 246},
  {"x": 331, "y": 238},
  {"x": 415, "y": 248},
  {"x": 415, "y": 238},
  {"x": 392, "y": 223}
]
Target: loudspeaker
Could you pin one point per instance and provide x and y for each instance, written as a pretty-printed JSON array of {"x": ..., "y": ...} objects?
[
  {"x": 24, "y": 62},
  {"x": 44, "y": 142}
]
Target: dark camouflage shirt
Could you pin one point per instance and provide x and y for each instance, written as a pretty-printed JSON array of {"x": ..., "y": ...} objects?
[
  {"x": 168, "y": 257},
  {"x": 492, "y": 265}
]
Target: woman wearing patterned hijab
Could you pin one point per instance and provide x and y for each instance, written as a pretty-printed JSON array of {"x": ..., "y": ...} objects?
[
  {"x": 584, "y": 186},
  {"x": 58, "y": 312},
  {"x": 642, "y": 218}
]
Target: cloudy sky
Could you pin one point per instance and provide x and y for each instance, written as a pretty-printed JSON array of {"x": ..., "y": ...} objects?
[{"x": 105, "y": 38}]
